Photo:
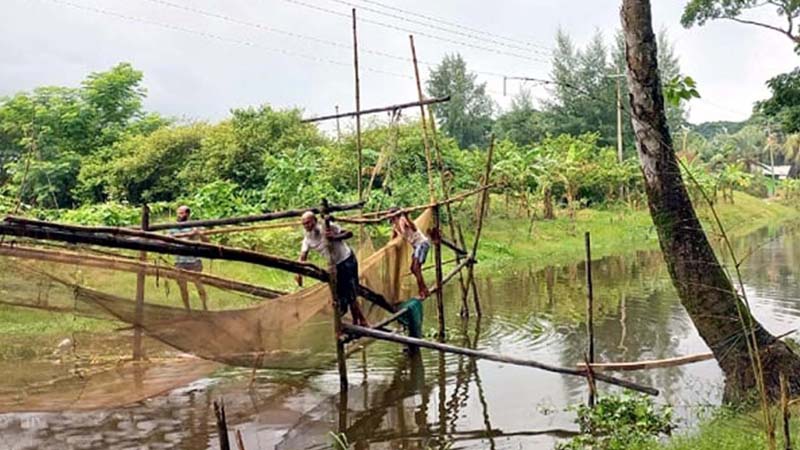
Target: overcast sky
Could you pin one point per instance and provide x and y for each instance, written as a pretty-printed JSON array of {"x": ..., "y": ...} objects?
[{"x": 298, "y": 52}]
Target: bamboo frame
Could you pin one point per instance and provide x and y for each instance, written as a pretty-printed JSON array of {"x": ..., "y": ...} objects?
[
  {"x": 390, "y": 108},
  {"x": 392, "y": 337}
]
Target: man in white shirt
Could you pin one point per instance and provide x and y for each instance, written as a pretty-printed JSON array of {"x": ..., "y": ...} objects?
[{"x": 343, "y": 256}]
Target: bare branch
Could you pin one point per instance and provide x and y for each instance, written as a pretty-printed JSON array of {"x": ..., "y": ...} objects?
[{"x": 788, "y": 33}]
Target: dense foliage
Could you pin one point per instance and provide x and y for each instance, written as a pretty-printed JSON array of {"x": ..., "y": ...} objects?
[{"x": 619, "y": 422}]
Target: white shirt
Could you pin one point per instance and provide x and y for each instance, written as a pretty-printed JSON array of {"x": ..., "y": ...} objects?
[{"x": 315, "y": 240}]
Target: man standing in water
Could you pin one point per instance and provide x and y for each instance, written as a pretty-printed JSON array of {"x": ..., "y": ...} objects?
[
  {"x": 342, "y": 255},
  {"x": 189, "y": 263},
  {"x": 403, "y": 226}
]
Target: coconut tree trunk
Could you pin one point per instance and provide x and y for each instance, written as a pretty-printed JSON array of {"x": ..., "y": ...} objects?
[{"x": 703, "y": 286}]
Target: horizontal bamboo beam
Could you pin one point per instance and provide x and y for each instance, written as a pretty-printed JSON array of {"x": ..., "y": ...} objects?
[
  {"x": 250, "y": 219},
  {"x": 392, "y": 337},
  {"x": 380, "y": 216},
  {"x": 452, "y": 246},
  {"x": 151, "y": 242},
  {"x": 104, "y": 262},
  {"x": 658, "y": 363},
  {"x": 363, "y": 112}
]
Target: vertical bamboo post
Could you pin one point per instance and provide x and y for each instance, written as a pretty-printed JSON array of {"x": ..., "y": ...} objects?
[
  {"x": 481, "y": 213},
  {"x": 787, "y": 439},
  {"x": 449, "y": 212},
  {"x": 341, "y": 357},
  {"x": 138, "y": 351},
  {"x": 589, "y": 311},
  {"x": 423, "y": 121},
  {"x": 437, "y": 255},
  {"x": 358, "y": 103},
  {"x": 338, "y": 128},
  {"x": 222, "y": 425}
]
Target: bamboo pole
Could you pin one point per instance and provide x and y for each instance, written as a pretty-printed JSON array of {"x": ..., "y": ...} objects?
[
  {"x": 249, "y": 219},
  {"x": 110, "y": 263},
  {"x": 392, "y": 337},
  {"x": 380, "y": 216},
  {"x": 590, "y": 381},
  {"x": 222, "y": 425},
  {"x": 239, "y": 440},
  {"x": 465, "y": 291},
  {"x": 426, "y": 102},
  {"x": 450, "y": 218},
  {"x": 437, "y": 255},
  {"x": 341, "y": 357},
  {"x": 358, "y": 104},
  {"x": 481, "y": 214},
  {"x": 589, "y": 311},
  {"x": 422, "y": 121},
  {"x": 338, "y": 129},
  {"x": 138, "y": 351}
]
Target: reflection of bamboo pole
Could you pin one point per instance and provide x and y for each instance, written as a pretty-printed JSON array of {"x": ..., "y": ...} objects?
[
  {"x": 422, "y": 120},
  {"x": 138, "y": 351},
  {"x": 392, "y": 337},
  {"x": 437, "y": 256},
  {"x": 589, "y": 315},
  {"x": 222, "y": 425}
]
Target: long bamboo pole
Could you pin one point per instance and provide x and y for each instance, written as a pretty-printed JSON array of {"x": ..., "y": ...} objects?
[
  {"x": 589, "y": 313},
  {"x": 122, "y": 264},
  {"x": 364, "y": 112},
  {"x": 249, "y": 219},
  {"x": 341, "y": 357},
  {"x": 380, "y": 216},
  {"x": 437, "y": 256},
  {"x": 138, "y": 350},
  {"x": 481, "y": 213},
  {"x": 422, "y": 119},
  {"x": 358, "y": 105},
  {"x": 451, "y": 220},
  {"x": 392, "y": 337}
]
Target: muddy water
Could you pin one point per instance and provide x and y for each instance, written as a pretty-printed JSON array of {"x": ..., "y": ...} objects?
[{"x": 447, "y": 401}]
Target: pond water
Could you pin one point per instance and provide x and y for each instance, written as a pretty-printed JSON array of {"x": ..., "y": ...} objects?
[{"x": 448, "y": 401}]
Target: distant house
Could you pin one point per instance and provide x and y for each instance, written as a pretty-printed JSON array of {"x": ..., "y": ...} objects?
[{"x": 780, "y": 172}]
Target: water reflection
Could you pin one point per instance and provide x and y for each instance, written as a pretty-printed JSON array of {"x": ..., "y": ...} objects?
[{"x": 432, "y": 399}]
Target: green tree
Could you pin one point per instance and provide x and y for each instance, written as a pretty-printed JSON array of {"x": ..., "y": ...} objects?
[
  {"x": 522, "y": 123},
  {"x": 698, "y": 12},
  {"x": 783, "y": 107},
  {"x": 467, "y": 117}
]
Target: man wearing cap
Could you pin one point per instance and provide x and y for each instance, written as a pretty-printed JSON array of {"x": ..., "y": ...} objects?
[{"x": 342, "y": 255}]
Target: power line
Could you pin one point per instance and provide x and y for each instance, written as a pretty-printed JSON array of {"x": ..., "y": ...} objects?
[
  {"x": 455, "y": 25},
  {"x": 218, "y": 37},
  {"x": 468, "y": 35},
  {"x": 416, "y": 32}
]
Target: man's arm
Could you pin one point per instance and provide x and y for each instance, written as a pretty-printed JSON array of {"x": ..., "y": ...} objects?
[
  {"x": 335, "y": 233},
  {"x": 303, "y": 258}
]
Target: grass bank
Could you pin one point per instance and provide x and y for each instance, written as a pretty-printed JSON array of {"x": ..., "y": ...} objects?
[
  {"x": 505, "y": 241},
  {"x": 727, "y": 431},
  {"x": 615, "y": 230}
]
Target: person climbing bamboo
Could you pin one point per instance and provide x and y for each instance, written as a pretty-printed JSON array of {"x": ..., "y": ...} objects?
[
  {"x": 189, "y": 263},
  {"x": 403, "y": 226},
  {"x": 343, "y": 256}
]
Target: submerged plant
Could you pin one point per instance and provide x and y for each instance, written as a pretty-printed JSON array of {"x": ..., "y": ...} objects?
[{"x": 619, "y": 422}]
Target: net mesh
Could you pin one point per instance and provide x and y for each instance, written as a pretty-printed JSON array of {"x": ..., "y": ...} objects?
[{"x": 274, "y": 331}]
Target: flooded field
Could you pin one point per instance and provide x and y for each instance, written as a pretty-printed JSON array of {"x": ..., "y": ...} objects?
[{"x": 433, "y": 400}]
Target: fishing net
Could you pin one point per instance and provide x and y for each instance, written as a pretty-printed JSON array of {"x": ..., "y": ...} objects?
[{"x": 233, "y": 322}]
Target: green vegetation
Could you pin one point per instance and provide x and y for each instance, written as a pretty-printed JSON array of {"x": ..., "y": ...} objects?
[
  {"x": 727, "y": 430},
  {"x": 619, "y": 423}
]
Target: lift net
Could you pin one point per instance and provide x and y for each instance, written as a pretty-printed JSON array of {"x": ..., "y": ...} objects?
[{"x": 243, "y": 325}]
